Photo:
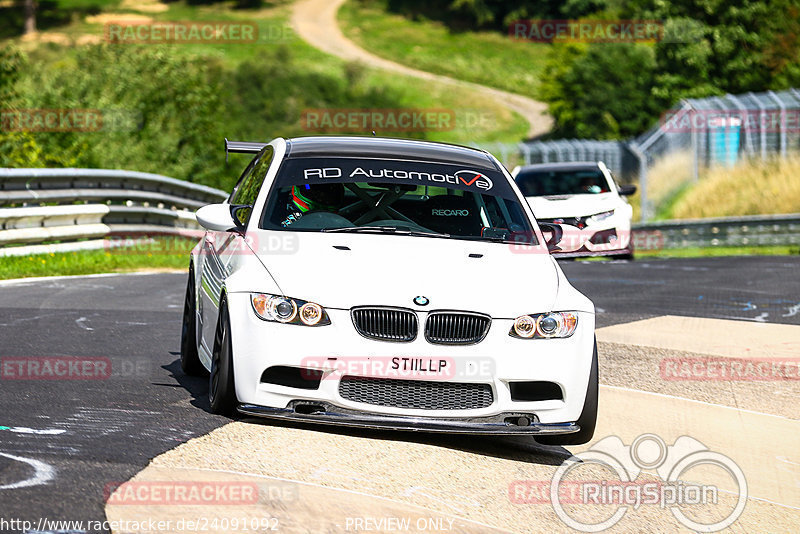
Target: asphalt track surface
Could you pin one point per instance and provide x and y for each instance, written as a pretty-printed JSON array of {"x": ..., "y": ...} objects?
[{"x": 73, "y": 439}]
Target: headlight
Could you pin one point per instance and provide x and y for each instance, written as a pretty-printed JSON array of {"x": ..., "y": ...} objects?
[
  {"x": 601, "y": 216},
  {"x": 544, "y": 325},
  {"x": 288, "y": 310}
]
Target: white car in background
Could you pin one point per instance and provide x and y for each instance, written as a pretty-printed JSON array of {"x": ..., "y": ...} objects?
[
  {"x": 365, "y": 282},
  {"x": 586, "y": 201}
]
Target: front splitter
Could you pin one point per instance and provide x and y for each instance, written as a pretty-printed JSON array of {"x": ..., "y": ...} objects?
[{"x": 481, "y": 425}]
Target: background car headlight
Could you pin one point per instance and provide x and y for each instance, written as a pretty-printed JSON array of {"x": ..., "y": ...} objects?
[
  {"x": 544, "y": 325},
  {"x": 597, "y": 217},
  {"x": 288, "y": 310}
]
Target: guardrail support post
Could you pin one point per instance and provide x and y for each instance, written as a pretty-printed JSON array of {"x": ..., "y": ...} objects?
[{"x": 642, "y": 157}]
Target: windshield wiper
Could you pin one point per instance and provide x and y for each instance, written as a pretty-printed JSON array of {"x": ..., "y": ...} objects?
[
  {"x": 498, "y": 239},
  {"x": 345, "y": 229},
  {"x": 384, "y": 230}
]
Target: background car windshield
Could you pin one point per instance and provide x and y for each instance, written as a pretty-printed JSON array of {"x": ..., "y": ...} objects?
[
  {"x": 324, "y": 194},
  {"x": 554, "y": 183}
]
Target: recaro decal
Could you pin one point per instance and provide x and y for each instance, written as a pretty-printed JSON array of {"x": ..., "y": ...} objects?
[{"x": 450, "y": 213}]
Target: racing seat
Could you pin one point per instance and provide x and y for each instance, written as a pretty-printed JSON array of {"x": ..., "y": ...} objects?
[{"x": 451, "y": 214}]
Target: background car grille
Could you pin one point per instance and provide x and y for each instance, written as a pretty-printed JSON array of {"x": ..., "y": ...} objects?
[
  {"x": 386, "y": 324},
  {"x": 419, "y": 394},
  {"x": 456, "y": 328}
]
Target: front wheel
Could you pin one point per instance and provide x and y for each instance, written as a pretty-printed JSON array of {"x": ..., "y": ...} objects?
[
  {"x": 221, "y": 386},
  {"x": 588, "y": 417}
]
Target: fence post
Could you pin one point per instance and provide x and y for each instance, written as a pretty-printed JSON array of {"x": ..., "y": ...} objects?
[
  {"x": 762, "y": 131},
  {"x": 642, "y": 157},
  {"x": 526, "y": 153},
  {"x": 784, "y": 133}
]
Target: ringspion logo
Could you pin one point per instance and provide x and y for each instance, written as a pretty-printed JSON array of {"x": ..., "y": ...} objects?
[{"x": 594, "y": 504}]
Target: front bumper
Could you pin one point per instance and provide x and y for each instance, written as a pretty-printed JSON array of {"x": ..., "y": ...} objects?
[
  {"x": 496, "y": 362},
  {"x": 610, "y": 237},
  {"x": 334, "y": 415}
]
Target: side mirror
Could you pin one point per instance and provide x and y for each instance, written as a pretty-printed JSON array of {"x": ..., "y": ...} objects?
[
  {"x": 217, "y": 217},
  {"x": 627, "y": 190},
  {"x": 556, "y": 233}
]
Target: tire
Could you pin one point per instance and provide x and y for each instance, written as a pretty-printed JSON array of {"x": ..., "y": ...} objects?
[
  {"x": 221, "y": 386},
  {"x": 190, "y": 360},
  {"x": 588, "y": 417}
]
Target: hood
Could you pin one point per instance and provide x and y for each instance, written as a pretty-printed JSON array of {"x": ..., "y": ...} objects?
[
  {"x": 340, "y": 271},
  {"x": 572, "y": 205}
]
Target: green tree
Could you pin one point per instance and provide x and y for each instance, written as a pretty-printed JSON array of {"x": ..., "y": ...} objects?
[{"x": 591, "y": 96}]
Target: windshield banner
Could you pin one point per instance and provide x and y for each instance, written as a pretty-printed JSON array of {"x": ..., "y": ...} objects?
[{"x": 405, "y": 173}]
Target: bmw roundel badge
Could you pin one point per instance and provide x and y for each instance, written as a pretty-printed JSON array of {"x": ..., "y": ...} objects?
[{"x": 421, "y": 301}]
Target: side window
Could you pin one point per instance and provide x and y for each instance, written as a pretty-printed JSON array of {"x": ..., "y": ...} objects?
[{"x": 247, "y": 189}]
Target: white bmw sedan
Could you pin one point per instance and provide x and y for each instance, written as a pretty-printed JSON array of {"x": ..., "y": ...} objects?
[
  {"x": 585, "y": 199},
  {"x": 387, "y": 283}
]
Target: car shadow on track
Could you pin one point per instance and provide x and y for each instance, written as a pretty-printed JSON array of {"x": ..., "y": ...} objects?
[
  {"x": 197, "y": 386},
  {"x": 517, "y": 448}
]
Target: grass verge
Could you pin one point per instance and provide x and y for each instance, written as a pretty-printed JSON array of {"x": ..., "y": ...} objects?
[
  {"x": 487, "y": 58},
  {"x": 158, "y": 254},
  {"x": 694, "y": 252},
  {"x": 476, "y": 120},
  {"x": 174, "y": 254},
  {"x": 754, "y": 187}
]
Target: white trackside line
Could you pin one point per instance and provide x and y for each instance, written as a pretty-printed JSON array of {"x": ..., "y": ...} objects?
[
  {"x": 34, "y": 279},
  {"x": 664, "y": 395},
  {"x": 43, "y": 474},
  {"x": 25, "y": 430}
]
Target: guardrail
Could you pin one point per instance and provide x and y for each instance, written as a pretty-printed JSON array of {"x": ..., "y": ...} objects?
[
  {"x": 76, "y": 208},
  {"x": 39, "y": 206},
  {"x": 757, "y": 230}
]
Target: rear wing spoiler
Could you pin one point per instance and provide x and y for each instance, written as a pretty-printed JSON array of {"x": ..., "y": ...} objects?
[{"x": 242, "y": 147}]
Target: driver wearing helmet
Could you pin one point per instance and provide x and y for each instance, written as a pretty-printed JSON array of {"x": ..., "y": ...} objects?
[{"x": 312, "y": 197}]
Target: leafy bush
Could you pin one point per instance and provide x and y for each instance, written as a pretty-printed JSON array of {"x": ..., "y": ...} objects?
[
  {"x": 168, "y": 113},
  {"x": 616, "y": 90},
  {"x": 601, "y": 91}
]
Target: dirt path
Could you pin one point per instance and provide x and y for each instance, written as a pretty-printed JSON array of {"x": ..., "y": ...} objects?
[{"x": 315, "y": 22}]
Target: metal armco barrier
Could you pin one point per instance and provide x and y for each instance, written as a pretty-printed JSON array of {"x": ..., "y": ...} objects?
[
  {"x": 74, "y": 209},
  {"x": 39, "y": 206},
  {"x": 757, "y": 230}
]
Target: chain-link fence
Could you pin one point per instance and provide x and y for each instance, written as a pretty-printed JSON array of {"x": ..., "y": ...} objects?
[{"x": 697, "y": 133}]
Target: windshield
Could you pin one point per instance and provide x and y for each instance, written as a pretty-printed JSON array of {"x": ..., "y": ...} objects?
[
  {"x": 566, "y": 182},
  {"x": 395, "y": 197}
]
